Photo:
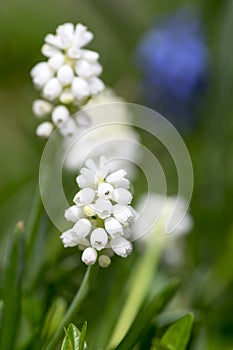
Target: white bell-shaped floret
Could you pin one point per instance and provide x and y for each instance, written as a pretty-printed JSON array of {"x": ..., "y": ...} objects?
[
  {"x": 105, "y": 190},
  {"x": 69, "y": 238},
  {"x": 121, "y": 246},
  {"x": 124, "y": 214},
  {"x": 74, "y": 213},
  {"x": 117, "y": 176},
  {"x": 84, "y": 197},
  {"x": 99, "y": 239},
  {"x": 113, "y": 227},
  {"x": 122, "y": 196},
  {"x": 82, "y": 228},
  {"x": 103, "y": 208}
]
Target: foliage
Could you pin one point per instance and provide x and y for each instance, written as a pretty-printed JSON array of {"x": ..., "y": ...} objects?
[{"x": 38, "y": 277}]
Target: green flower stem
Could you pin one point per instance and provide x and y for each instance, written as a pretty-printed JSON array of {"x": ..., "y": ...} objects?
[
  {"x": 74, "y": 307},
  {"x": 139, "y": 282}
]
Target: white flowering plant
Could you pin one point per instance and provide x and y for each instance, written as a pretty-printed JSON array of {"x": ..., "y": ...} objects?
[
  {"x": 102, "y": 223},
  {"x": 68, "y": 79},
  {"x": 102, "y": 214}
]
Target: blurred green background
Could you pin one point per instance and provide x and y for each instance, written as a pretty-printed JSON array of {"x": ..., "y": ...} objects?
[{"x": 118, "y": 25}]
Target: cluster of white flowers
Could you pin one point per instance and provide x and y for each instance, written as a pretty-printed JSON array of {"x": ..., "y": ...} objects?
[
  {"x": 67, "y": 79},
  {"x": 102, "y": 214}
]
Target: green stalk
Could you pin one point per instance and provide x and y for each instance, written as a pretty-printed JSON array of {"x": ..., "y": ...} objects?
[
  {"x": 74, "y": 307},
  {"x": 139, "y": 283}
]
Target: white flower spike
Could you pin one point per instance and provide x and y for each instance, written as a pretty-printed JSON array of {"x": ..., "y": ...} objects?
[
  {"x": 70, "y": 76},
  {"x": 100, "y": 222}
]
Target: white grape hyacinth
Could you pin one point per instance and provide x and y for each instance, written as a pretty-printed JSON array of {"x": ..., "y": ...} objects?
[
  {"x": 102, "y": 214},
  {"x": 69, "y": 77},
  {"x": 162, "y": 208}
]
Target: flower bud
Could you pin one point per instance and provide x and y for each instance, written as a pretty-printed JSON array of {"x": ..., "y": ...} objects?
[
  {"x": 96, "y": 85},
  {"x": 60, "y": 114},
  {"x": 69, "y": 128},
  {"x": 85, "y": 69},
  {"x": 90, "y": 56},
  {"x": 49, "y": 51},
  {"x": 65, "y": 75},
  {"x": 52, "y": 89},
  {"x": 80, "y": 88},
  {"x": 104, "y": 261},
  {"x": 82, "y": 35},
  {"x": 56, "y": 61},
  {"x": 89, "y": 256},
  {"x": 66, "y": 96},
  {"x": 41, "y": 74},
  {"x": 44, "y": 130},
  {"x": 41, "y": 108}
]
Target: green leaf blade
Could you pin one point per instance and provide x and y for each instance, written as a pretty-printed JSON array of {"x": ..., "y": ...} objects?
[
  {"x": 74, "y": 339},
  {"x": 12, "y": 289},
  {"x": 83, "y": 336},
  {"x": 146, "y": 314},
  {"x": 54, "y": 318},
  {"x": 178, "y": 334}
]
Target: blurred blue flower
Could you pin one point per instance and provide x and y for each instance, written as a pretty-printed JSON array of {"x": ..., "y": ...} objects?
[{"x": 174, "y": 59}]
